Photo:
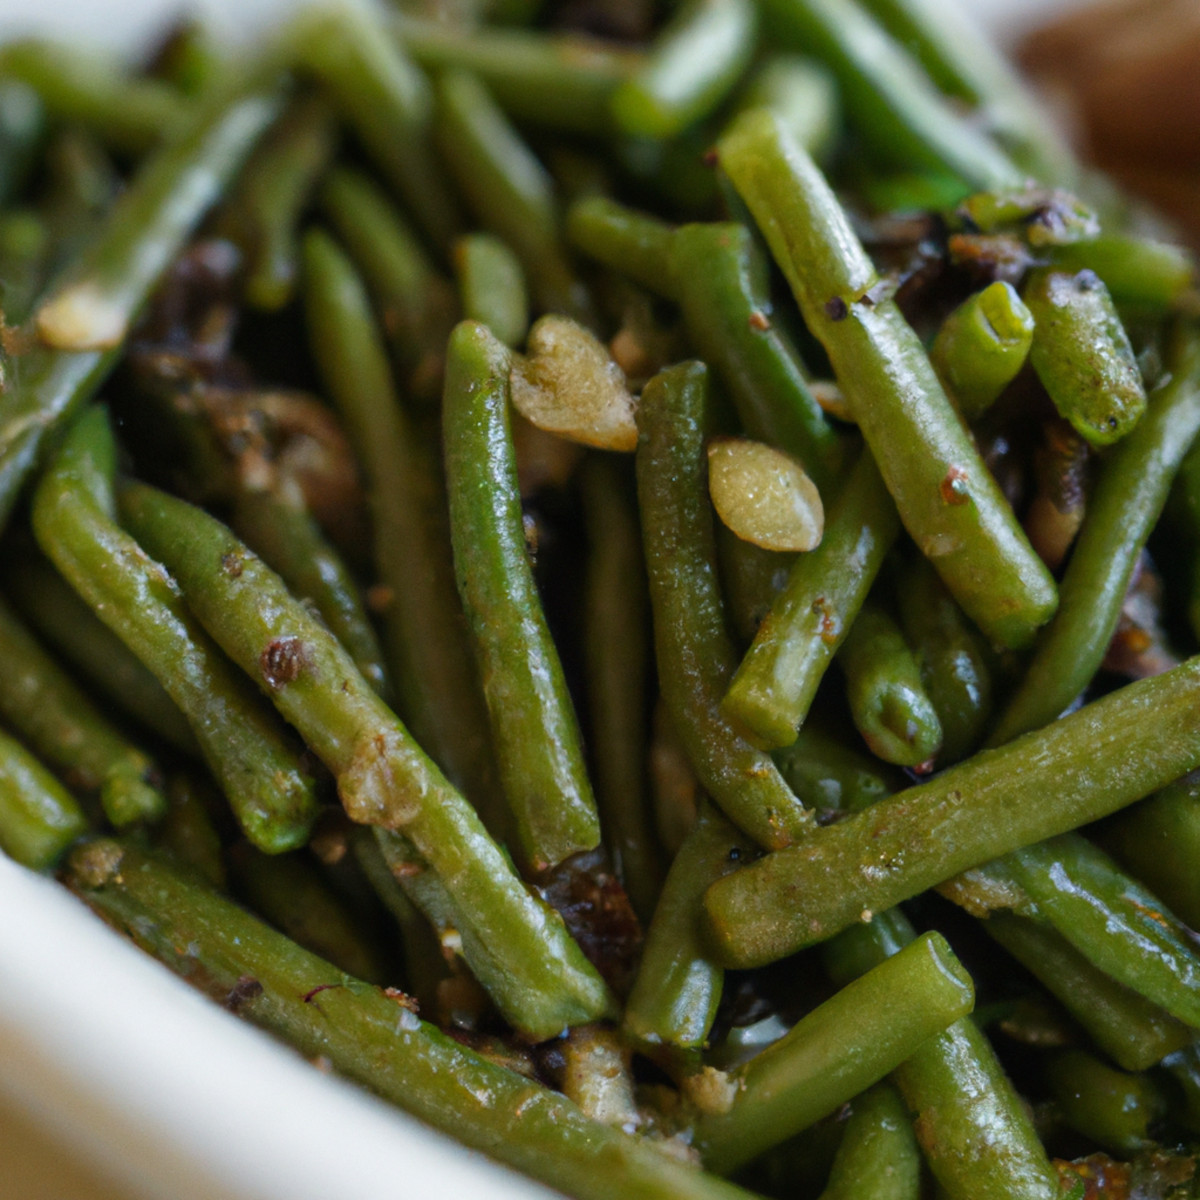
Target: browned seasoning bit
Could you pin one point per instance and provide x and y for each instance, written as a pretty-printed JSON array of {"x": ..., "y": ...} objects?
[
  {"x": 760, "y": 321},
  {"x": 282, "y": 661},
  {"x": 954, "y": 487}
]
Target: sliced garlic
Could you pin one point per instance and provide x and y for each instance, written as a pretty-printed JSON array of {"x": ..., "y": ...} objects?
[
  {"x": 570, "y": 385},
  {"x": 82, "y": 317},
  {"x": 764, "y": 495}
]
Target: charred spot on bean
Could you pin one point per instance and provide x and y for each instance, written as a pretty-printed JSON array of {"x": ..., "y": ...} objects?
[
  {"x": 246, "y": 989},
  {"x": 836, "y": 309},
  {"x": 233, "y": 564},
  {"x": 282, "y": 661}
]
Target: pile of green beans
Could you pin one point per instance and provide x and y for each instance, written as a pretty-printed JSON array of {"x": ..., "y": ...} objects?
[{"x": 373, "y": 655}]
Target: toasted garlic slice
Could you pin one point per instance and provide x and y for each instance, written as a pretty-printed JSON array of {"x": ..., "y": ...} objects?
[
  {"x": 764, "y": 495},
  {"x": 570, "y": 385}
]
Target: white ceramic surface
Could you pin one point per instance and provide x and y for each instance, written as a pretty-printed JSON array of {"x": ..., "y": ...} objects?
[{"x": 116, "y": 1079}]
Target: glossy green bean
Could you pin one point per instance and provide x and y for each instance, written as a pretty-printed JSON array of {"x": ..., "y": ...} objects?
[
  {"x": 1122, "y": 510},
  {"x": 616, "y": 644},
  {"x": 954, "y": 661},
  {"x": 829, "y": 776},
  {"x": 140, "y": 239},
  {"x": 677, "y": 988},
  {"x": 888, "y": 701},
  {"x": 1158, "y": 842},
  {"x": 802, "y": 93},
  {"x": 563, "y": 82},
  {"x": 981, "y": 346},
  {"x": 538, "y": 746},
  {"x": 39, "y": 818},
  {"x": 132, "y": 114},
  {"x": 888, "y": 99},
  {"x": 878, "y": 1158},
  {"x": 973, "y": 1127},
  {"x": 694, "y": 653},
  {"x": 948, "y": 500},
  {"x": 774, "y": 686},
  {"x": 539, "y": 978},
  {"x": 1109, "y": 1107},
  {"x": 1087, "y": 765},
  {"x": 25, "y": 250},
  {"x": 1132, "y": 1031},
  {"x": 249, "y": 751},
  {"x": 491, "y": 286},
  {"x": 1135, "y": 270},
  {"x": 851, "y": 1041},
  {"x": 72, "y": 630},
  {"x": 507, "y": 189},
  {"x": 631, "y": 242},
  {"x": 262, "y": 214},
  {"x": 693, "y": 63},
  {"x": 56, "y": 719},
  {"x": 385, "y": 98},
  {"x": 1082, "y": 355},
  {"x": 417, "y": 306}
]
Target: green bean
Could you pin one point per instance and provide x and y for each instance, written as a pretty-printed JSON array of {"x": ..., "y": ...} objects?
[
  {"x": 39, "y": 819},
  {"x": 288, "y": 891},
  {"x": 828, "y": 776},
  {"x": 65, "y": 622},
  {"x": 774, "y": 686},
  {"x": 44, "y": 706},
  {"x": 616, "y": 643},
  {"x": 722, "y": 283},
  {"x": 192, "y": 59},
  {"x": 25, "y": 250},
  {"x": 981, "y": 346},
  {"x": 751, "y": 578},
  {"x": 492, "y": 286},
  {"x": 633, "y": 243},
  {"x": 540, "y": 979},
  {"x": 1110, "y": 1107},
  {"x": 878, "y": 1157},
  {"x": 1117, "y": 924},
  {"x": 259, "y": 767},
  {"x": 889, "y": 102},
  {"x": 1087, "y": 765},
  {"x": 277, "y": 526},
  {"x": 954, "y": 661},
  {"x": 675, "y": 993},
  {"x": 1082, "y": 355},
  {"x": 948, "y": 500},
  {"x": 888, "y": 701},
  {"x": 694, "y": 654},
  {"x": 972, "y": 1126},
  {"x": 1135, "y": 270},
  {"x": 533, "y": 723},
  {"x": 695, "y": 60},
  {"x": 131, "y": 114},
  {"x": 1123, "y": 508},
  {"x": 424, "y": 963},
  {"x": 417, "y": 306},
  {"x": 424, "y": 632},
  {"x": 22, "y": 128},
  {"x": 1158, "y": 841},
  {"x": 1132, "y": 1031},
  {"x": 507, "y": 188},
  {"x": 803, "y": 94},
  {"x": 560, "y": 81},
  {"x": 145, "y": 232},
  {"x": 962, "y": 62},
  {"x": 187, "y": 832},
  {"x": 386, "y": 100},
  {"x": 851, "y": 1041},
  {"x": 262, "y": 214},
  {"x": 1183, "y": 1067},
  {"x": 369, "y": 1037}
]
